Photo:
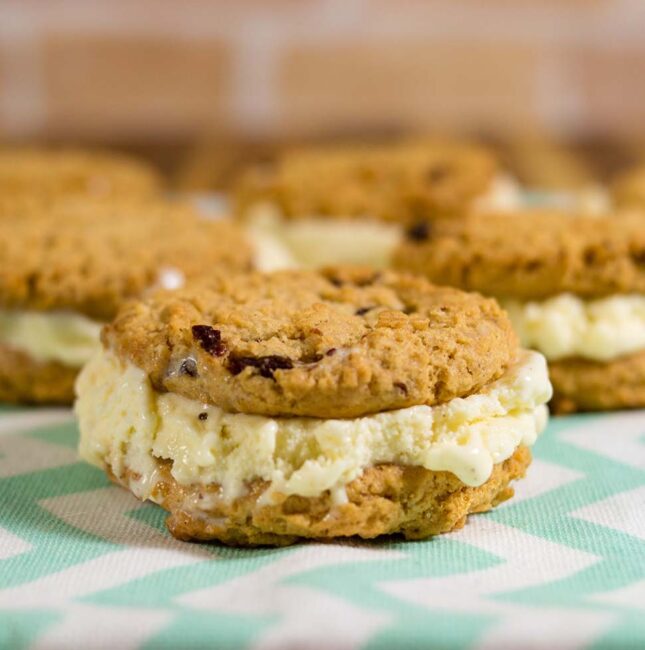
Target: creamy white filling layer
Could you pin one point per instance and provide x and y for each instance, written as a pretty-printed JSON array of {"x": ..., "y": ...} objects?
[
  {"x": 65, "y": 337},
  {"x": 568, "y": 326},
  {"x": 316, "y": 241},
  {"x": 126, "y": 424}
]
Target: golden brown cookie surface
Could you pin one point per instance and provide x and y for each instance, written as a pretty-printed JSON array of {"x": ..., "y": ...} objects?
[
  {"x": 384, "y": 500},
  {"x": 89, "y": 257},
  {"x": 398, "y": 183},
  {"x": 584, "y": 385},
  {"x": 48, "y": 174},
  {"x": 337, "y": 343},
  {"x": 531, "y": 255}
]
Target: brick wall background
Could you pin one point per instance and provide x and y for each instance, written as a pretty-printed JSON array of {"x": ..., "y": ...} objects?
[{"x": 162, "y": 70}]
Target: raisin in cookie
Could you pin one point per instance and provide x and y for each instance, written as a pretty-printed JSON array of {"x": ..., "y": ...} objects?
[
  {"x": 574, "y": 288},
  {"x": 65, "y": 270},
  {"x": 266, "y": 408}
]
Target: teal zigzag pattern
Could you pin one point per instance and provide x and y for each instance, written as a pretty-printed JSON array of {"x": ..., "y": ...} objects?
[{"x": 565, "y": 561}]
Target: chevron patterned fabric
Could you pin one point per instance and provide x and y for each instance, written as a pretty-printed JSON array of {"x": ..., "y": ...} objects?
[{"x": 85, "y": 565}]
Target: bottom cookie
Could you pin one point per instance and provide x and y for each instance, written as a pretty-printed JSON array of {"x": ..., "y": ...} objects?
[
  {"x": 583, "y": 385},
  {"x": 386, "y": 499},
  {"x": 23, "y": 380}
]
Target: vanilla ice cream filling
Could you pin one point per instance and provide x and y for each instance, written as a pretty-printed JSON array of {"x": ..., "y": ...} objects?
[
  {"x": 127, "y": 425},
  {"x": 53, "y": 336},
  {"x": 568, "y": 326},
  {"x": 310, "y": 242}
]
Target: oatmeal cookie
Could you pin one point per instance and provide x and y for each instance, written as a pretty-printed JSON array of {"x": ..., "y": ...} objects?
[
  {"x": 338, "y": 343},
  {"x": 530, "y": 256}
]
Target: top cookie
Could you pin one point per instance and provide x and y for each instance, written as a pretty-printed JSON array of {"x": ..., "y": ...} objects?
[
  {"x": 628, "y": 190},
  {"x": 90, "y": 257},
  {"x": 337, "y": 343},
  {"x": 399, "y": 182},
  {"x": 47, "y": 174},
  {"x": 532, "y": 255}
]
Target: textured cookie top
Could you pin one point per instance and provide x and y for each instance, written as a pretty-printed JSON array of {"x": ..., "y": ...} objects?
[
  {"x": 47, "y": 174},
  {"x": 531, "y": 255},
  {"x": 89, "y": 257},
  {"x": 336, "y": 343},
  {"x": 400, "y": 182},
  {"x": 628, "y": 190}
]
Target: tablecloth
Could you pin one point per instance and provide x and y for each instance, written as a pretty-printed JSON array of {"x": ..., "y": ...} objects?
[{"x": 562, "y": 565}]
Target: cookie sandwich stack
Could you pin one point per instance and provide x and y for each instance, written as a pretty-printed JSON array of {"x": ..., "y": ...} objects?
[
  {"x": 574, "y": 288},
  {"x": 351, "y": 204},
  {"x": 266, "y": 408},
  {"x": 66, "y": 268}
]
